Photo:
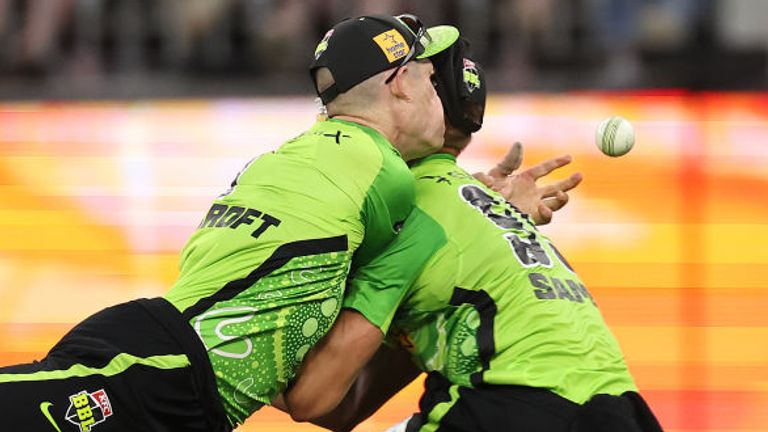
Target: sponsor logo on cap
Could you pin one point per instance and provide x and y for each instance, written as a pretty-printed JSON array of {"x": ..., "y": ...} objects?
[
  {"x": 392, "y": 43},
  {"x": 323, "y": 45},
  {"x": 471, "y": 75}
]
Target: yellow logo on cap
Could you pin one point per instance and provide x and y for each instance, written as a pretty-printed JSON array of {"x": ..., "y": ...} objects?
[{"x": 392, "y": 43}]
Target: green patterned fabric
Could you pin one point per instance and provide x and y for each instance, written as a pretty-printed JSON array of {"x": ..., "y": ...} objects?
[{"x": 262, "y": 279}]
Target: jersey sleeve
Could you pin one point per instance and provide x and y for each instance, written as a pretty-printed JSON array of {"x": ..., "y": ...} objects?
[
  {"x": 378, "y": 287},
  {"x": 387, "y": 204}
]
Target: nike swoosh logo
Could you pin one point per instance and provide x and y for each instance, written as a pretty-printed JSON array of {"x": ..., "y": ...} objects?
[{"x": 45, "y": 408}]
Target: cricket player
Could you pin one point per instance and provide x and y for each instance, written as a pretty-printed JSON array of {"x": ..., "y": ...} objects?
[
  {"x": 263, "y": 277},
  {"x": 510, "y": 336}
]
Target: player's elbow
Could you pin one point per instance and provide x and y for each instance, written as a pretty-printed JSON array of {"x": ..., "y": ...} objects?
[
  {"x": 321, "y": 412},
  {"x": 302, "y": 410},
  {"x": 334, "y": 424},
  {"x": 302, "y": 415}
]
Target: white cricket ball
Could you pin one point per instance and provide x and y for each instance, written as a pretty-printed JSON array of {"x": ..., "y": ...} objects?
[{"x": 615, "y": 136}]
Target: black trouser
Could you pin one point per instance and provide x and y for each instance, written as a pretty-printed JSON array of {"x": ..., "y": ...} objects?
[
  {"x": 132, "y": 367},
  {"x": 525, "y": 409}
]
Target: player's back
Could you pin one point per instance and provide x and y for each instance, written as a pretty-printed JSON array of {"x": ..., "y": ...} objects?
[
  {"x": 498, "y": 304},
  {"x": 263, "y": 276}
]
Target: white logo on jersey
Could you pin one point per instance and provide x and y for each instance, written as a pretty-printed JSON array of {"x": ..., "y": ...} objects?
[
  {"x": 242, "y": 389},
  {"x": 219, "y": 330}
]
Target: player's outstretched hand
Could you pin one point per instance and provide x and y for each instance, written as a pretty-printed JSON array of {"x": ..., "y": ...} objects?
[{"x": 521, "y": 190}]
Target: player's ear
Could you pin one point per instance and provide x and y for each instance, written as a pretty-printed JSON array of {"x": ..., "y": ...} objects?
[{"x": 398, "y": 85}]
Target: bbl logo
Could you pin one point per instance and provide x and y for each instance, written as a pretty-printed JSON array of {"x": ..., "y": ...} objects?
[
  {"x": 86, "y": 410},
  {"x": 471, "y": 75}
]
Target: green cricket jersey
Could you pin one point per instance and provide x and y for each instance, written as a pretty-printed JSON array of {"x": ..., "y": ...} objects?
[
  {"x": 495, "y": 303},
  {"x": 262, "y": 279}
]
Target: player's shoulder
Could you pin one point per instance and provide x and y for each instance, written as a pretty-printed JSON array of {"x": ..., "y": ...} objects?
[
  {"x": 354, "y": 144},
  {"x": 439, "y": 175},
  {"x": 342, "y": 133},
  {"x": 445, "y": 190}
]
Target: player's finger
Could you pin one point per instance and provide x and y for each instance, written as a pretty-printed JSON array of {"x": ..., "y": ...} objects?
[
  {"x": 548, "y": 166},
  {"x": 557, "y": 202},
  {"x": 571, "y": 182},
  {"x": 545, "y": 215},
  {"x": 562, "y": 185},
  {"x": 484, "y": 178},
  {"x": 510, "y": 163}
]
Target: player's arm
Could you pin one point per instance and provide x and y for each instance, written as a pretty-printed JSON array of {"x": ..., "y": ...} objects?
[
  {"x": 520, "y": 189},
  {"x": 372, "y": 298},
  {"x": 386, "y": 373},
  {"x": 330, "y": 368}
]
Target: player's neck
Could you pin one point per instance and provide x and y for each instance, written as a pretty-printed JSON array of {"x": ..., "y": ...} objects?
[
  {"x": 388, "y": 133},
  {"x": 450, "y": 151}
]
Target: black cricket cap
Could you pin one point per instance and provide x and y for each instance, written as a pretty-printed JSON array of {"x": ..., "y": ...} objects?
[
  {"x": 461, "y": 86},
  {"x": 359, "y": 48}
]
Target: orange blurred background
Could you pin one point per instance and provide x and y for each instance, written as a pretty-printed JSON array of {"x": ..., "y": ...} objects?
[{"x": 97, "y": 199}]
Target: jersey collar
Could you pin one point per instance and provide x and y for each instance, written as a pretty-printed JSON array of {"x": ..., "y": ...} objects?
[
  {"x": 435, "y": 156},
  {"x": 373, "y": 133}
]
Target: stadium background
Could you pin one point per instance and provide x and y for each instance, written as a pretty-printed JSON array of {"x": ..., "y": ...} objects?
[{"x": 120, "y": 120}]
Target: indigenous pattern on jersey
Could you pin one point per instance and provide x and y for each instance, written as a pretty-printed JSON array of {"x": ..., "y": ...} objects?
[
  {"x": 262, "y": 279},
  {"x": 497, "y": 303}
]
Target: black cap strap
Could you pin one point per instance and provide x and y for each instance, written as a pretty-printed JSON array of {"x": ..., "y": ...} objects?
[{"x": 329, "y": 94}]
